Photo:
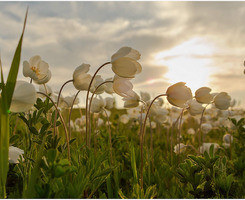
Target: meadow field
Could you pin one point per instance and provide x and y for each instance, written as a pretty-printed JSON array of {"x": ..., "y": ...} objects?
[{"x": 178, "y": 144}]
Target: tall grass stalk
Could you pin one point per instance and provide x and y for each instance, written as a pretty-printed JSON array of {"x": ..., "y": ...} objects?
[{"x": 7, "y": 90}]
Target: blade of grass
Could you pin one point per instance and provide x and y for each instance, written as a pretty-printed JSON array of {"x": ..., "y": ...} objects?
[
  {"x": 13, "y": 72},
  {"x": 5, "y": 100},
  {"x": 4, "y": 138}
]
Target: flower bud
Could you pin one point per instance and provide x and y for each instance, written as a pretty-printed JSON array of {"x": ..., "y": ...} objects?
[
  {"x": 203, "y": 95},
  {"x": 178, "y": 94},
  {"x": 222, "y": 101}
]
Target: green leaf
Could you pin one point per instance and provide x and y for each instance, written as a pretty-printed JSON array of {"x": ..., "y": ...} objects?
[
  {"x": 3, "y": 93},
  {"x": 13, "y": 72},
  {"x": 51, "y": 155},
  {"x": 33, "y": 130}
]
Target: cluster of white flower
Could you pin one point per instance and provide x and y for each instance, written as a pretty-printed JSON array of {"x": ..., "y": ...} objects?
[{"x": 125, "y": 65}]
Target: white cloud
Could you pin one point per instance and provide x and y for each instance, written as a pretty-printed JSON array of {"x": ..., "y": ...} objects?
[{"x": 67, "y": 34}]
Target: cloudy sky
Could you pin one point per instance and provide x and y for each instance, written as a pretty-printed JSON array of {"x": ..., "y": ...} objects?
[{"x": 200, "y": 43}]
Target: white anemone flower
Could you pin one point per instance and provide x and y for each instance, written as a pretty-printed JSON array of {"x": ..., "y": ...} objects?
[
  {"x": 160, "y": 101},
  {"x": 124, "y": 62},
  {"x": 106, "y": 113},
  {"x": 206, "y": 127},
  {"x": 227, "y": 138},
  {"x": 109, "y": 102},
  {"x": 179, "y": 148},
  {"x": 153, "y": 125},
  {"x": 15, "y": 154},
  {"x": 191, "y": 131},
  {"x": 81, "y": 121},
  {"x": 206, "y": 147},
  {"x": 124, "y": 88},
  {"x": 69, "y": 100},
  {"x": 222, "y": 101},
  {"x": 145, "y": 96},
  {"x": 203, "y": 95},
  {"x": 81, "y": 79},
  {"x": 124, "y": 118},
  {"x": 161, "y": 115},
  {"x": 100, "y": 122},
  {"x": 97, "y": 81},
  {"x": 97, "y": 105},
  {"x": 134, "y": 112},
  {"x": 109, "y": 86},
  {"x": 37, "y": 69},
  {"x": 194, "y": 108},
  {"x": 131, "y": 102},
  {"x": 24, "y": 97},
  {"x": 178, "y": 94}
]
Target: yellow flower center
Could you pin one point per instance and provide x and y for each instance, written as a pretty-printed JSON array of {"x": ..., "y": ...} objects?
[{"x": 36, "y": 70}]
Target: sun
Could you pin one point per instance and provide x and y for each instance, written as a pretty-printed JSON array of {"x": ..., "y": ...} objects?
[{"x": 189, "y": 62}]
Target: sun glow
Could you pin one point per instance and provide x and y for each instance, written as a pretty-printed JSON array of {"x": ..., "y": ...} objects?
[{"x": 188, "y": 62}]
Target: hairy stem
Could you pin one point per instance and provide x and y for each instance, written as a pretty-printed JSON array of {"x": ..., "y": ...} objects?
[
  {"x": 89, "y": 87},
  {"x": 89, "y": 109},
  {"x": 142, "y": 136},
  {"x": 63, "y": 122},
  {"x": 69, "y": 119},
  {"x": 180, "y": 121},
  {"x": 200, "y": 129},
  {"x": 58, "y": 100},
  {"x": 109, "y": 130}
]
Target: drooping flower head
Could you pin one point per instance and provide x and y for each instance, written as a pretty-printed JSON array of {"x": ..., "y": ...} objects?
[
  {"x": 145, "y": 96},
  {"x": 203, "y": 95},
  {"x": 97, "y": 104},
  {"x": 124, "y": 62},
  {"x": 109, "y": 102},
  {"x": 97, "y": 81},
  {"x": 81, "y": 79},
  {"x": 15, "y": 154},
  {"x": 109, "y": 86},
  {"x": 178, "y": 94},
  {"x": 194, "y": 108},
  {"x": 222, "y": 101},
  {"x": 24, "y": 97}
]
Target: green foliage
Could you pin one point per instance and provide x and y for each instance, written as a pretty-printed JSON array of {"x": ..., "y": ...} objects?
[{"x": 208, "y": 176}]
